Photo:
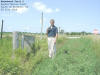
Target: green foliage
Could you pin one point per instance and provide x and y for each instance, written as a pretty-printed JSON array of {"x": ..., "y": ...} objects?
[
  {"x": 7, "y": 66},
  {"x": 74, "y": 57}
]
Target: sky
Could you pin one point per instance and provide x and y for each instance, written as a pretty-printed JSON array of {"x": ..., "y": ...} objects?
[{"x": 69, "y": 15}]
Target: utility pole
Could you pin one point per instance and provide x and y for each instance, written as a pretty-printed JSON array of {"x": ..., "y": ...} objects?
[
  {"x": 41, "y": 24},
  {"x": 2, "y": 29},
  {"x": 59, "y": 30}
]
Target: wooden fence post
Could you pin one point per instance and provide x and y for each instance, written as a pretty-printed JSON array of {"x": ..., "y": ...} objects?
[{"x": 1, "y": 29}]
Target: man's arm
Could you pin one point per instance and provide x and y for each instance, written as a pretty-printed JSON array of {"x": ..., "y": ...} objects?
[
  {"x": 47, "y": 32},
  {"x": 56, "y": 35},
  {"x": 48, "y": 29}
]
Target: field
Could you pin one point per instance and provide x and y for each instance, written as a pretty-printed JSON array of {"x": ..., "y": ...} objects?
[{"x": 79, "y": 56}]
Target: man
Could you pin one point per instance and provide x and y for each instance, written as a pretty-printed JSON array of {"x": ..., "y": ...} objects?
[{"x": 52, "y": 34}]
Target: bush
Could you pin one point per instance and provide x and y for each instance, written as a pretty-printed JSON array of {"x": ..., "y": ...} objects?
[{"x": 9, "y": 67}]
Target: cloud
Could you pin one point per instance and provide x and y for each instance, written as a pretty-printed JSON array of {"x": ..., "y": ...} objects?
[
  {"x": 42, "y": 7},
  {"x": 20, "y": 10},
  {"x": 57, "y": 9}
]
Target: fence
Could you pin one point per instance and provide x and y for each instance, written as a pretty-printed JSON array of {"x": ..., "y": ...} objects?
[{"x": 26, "y": 41}]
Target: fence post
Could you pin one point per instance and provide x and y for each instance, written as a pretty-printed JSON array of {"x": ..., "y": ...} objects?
[
  {"x": 22, "y": 42},
  {"x": 1, "y": 29},
  {"x": 15, "y": 40}
]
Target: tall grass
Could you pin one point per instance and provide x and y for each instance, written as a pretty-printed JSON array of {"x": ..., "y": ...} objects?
[{"x": 74, "y": 57}]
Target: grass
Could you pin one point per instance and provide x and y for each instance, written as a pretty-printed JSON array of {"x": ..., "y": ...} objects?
[{"x": 74, "y": 57}]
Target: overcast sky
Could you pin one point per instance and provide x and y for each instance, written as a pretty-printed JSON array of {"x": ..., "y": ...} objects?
[{"x": 70, "y": 15}]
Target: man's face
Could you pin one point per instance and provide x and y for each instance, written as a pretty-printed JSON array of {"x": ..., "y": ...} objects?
[{"x": 52, "y": 22}]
